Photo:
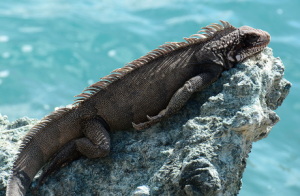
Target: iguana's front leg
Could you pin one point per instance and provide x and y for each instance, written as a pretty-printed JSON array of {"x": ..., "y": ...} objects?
[
  {"x": 96, "y": 143},
  {"x": 181, "y": 96}
]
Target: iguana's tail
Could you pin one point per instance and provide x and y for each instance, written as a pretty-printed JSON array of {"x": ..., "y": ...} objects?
[{"x": 42, "y": 141}]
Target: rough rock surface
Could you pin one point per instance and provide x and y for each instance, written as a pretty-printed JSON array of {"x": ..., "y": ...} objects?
[{"x": 202, "y": 150}]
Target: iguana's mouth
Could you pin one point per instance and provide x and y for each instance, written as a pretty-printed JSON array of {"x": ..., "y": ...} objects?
[{"x": 257, "y": 47}]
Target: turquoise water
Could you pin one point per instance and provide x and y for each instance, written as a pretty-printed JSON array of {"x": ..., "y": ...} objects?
[{"x": 51, "y": 50}]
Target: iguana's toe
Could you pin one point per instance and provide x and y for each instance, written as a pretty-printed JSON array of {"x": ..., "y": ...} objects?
[
  {"x": 142, "y": 126},
  {"x": 149, "y": 118}
]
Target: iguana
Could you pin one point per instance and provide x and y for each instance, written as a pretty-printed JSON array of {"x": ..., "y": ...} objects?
[{"x": 140, "y": 94}]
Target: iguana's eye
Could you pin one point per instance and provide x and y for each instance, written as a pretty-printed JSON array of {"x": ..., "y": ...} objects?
[{"x": 250, "y": 39}]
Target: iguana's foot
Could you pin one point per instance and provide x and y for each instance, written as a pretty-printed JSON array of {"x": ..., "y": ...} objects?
[
  {"x": 143, "y": 125},
  {"x": 152, "y": 120}
]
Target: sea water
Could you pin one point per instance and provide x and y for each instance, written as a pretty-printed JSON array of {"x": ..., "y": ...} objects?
[{"x": 50, "y": 50}]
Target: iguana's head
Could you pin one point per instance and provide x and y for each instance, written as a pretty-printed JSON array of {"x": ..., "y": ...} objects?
[
  {"x": 226, "y": 45},
  {"x": 245, "y": 42},
  {"x": 252, "y": 41}
]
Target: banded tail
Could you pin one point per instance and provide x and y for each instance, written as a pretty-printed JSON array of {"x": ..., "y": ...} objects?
[{"x": 40, "y": 143}]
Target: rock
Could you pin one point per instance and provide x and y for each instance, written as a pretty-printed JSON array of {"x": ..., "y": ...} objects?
[
  {"x": 202, "y": 150},
  {"x": 10, "y": 140}
]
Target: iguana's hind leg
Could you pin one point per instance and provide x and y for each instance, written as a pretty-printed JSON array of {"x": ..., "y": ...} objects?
[
  {"x": 96, "y": 143},
  {"x": 181, "y": 96}
]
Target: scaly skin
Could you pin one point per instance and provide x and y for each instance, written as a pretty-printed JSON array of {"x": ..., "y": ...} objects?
[{"x": 140, "y": 94}]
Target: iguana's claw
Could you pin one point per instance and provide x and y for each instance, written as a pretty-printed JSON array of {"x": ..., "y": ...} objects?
[
  {"x": 140, "y": 126},
  {"x": 151, "y": 121},
  {"x": 149, "y": 118},
  {"x": 135, "y": 126}
]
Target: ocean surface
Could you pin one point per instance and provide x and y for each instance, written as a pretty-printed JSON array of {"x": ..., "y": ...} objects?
[{"x": 50, "y": 50}]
